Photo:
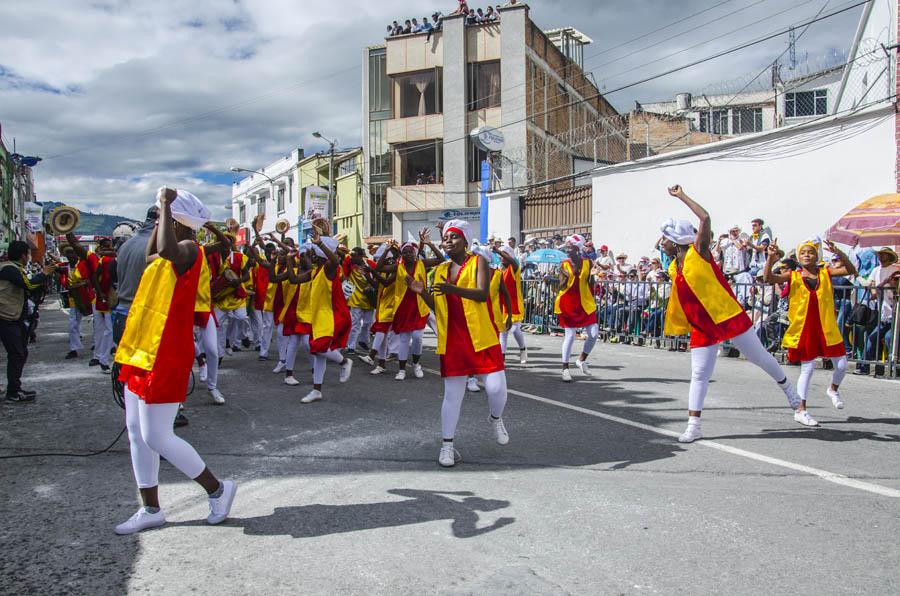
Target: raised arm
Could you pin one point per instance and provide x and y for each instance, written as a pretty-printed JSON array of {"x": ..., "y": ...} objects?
[
  {"x": 768, "y": 276},
  {"x": 182, "y": 254},
  {"x": 704, "y": 229},
  {"x": 846, "y": 268},
  {"x": 77, "y": 246}
]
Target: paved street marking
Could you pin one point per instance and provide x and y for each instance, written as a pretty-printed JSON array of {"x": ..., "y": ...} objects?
[{"x": 823, "y": 474}]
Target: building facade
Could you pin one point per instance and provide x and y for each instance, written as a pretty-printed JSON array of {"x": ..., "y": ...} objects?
[
  {"x": 423, "y": 96},
  {"x": 272, "y": 193}
]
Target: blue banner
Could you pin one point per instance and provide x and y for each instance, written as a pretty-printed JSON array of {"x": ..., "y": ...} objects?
[{"x": 485, "y": 189}]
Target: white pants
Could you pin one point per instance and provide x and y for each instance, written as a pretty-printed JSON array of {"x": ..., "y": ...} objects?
[
  {"x": 806, "y": 373},
  {"x": 432, "y": 323},
  {"x": 282, "y": 343},
  {"x": 455, "y": 391},
  {"x": 320, "y": 363},
  {"x": 265, "y": 325},
  {"x": 703, "y": 363},
  {"x": 360, "y": 324},
  {"x": 380, "y": 345},
  {"x": 569, "y": 340},
  {"x": 294, "y": 343},
  {"x": 75, "y": 329},
  {"x": 207, "y": 344},
  {"x": 254, "y": 326},
  {"x": 403, "y": 344},
  {"x": 231, "y": 324},
  {"x": 103, "y": 336},
  {"x": 150, "y": 435},
  {"x": 516, "y": 331}
]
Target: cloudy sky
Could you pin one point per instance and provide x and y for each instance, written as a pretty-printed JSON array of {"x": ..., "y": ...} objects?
[{"x": 121, "y": 96}]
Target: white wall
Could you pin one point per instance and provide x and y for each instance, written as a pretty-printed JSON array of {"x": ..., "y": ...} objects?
[
  {"x": 865, "y": 78},
  {"x": 799, "y": 181}
]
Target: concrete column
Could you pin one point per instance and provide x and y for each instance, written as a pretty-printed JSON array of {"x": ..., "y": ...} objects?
[
  {"x": 514, "y": 23},
  {"x": 455, "y": 112},
  {"x": 503, "y": 214}
]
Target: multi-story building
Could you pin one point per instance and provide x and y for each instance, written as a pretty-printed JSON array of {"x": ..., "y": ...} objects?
[
  {"x": 272, "y": 193},
  {"x": 424, "y": 94},
  {"x": 7, "y": 232}
]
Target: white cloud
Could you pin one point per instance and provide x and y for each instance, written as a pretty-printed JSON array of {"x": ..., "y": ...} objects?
[{"x": 122, "y": 96}]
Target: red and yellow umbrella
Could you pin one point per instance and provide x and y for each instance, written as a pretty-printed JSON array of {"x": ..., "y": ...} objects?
[{"x": 874, "y": 222}]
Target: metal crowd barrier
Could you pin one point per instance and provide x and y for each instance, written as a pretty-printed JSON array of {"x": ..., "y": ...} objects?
[{"x": 633, "y": 312}]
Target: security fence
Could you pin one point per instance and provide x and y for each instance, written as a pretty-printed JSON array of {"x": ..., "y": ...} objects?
[{"x": 633, "y": 312}]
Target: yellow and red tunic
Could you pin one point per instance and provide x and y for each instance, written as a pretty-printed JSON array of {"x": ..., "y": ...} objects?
[
  {"x": 303, "y": 322},
  {"x": 497, "y": 303},
  {"x": 327, "y": 312},
  {"x": 512, "y": 279},
  {"x": 157, "y": 348},
  {"x": 288, "y": 316},
  {"x": 235, "y": 298},
  {"x": 384, "y": 311},
  {"x": 359, "y": 299},
  {"x": 467, "y": 338},
  {"x": 278, "y": 295},
  {"x": 104, "y": 265},
  {"x": 260, "y": 288},
  {"x": 575, "y": 305},
  {"x": 702, "y": 303},
  {"x": 203, "y": 303},
  {"x": 412, "y": 312},
  {"x": 82, "y": 272},
  {"x": 813, "y": 331}
]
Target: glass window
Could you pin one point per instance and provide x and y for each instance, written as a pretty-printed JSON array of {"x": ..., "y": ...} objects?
[
  {"x": 260, "y": 205},
  {"x": 379, "y": 83},
  {"x": 379, "y": 150},
  {"x": 484, "y": 85},
  {"x": 280, "y": 202},
  {"x": 420, "y": 163},
  {"x": 476, "y": 156},
  {"x": 714, "y": 121},
  {"x": 418, "y": 94},
  {"x": 242, "y": 213},
  {"x": 746, "y": 120},
  {"x": 381, "y": 219},
  {"x": 347, "y": 167},
  {"x": 806, "y": 103}
]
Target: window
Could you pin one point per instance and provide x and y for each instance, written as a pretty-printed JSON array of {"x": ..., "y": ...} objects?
[
  {"x": 418, "y": 94},
  {"x": 744, "y": 120},
  {"x": 714, "y": 121},
  {"x": 242, "y": 213},
  {"x": 379, "y": 150},
  {"x": 806, "y": 103},
  {"x": 279, "y": 205},
  {"x": 379, "y": 83},
  {"x": 420, "y": 163},
  {"x": 347, "y": 167},
  {"x": 484, "y": 85},
  {"x": 381, "y": 219},
  {"x": 260, "y": 205},
  {"x": 476, "y": 156}
]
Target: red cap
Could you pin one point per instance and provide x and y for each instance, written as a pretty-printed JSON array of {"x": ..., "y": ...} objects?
[{"x": 604, "y": 247}]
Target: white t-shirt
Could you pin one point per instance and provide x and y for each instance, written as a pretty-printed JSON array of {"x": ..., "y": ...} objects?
[{"x": 876, "y": 278}]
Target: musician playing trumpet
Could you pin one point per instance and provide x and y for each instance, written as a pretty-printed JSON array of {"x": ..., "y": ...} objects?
[{"x": 83, "y": 289}]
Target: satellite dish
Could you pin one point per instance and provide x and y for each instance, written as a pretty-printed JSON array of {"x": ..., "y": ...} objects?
[{"x": 488, "y": 138}]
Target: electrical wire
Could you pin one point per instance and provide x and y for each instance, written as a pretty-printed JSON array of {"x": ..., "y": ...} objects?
[{"x": 70, "y": 454}]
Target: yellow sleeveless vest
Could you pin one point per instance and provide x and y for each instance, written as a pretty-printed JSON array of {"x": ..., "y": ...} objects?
[
  {"x": 497, "y": 300},
  {"x": 478, "y": 319},
  {"x": 400, "y": 285},
  {"x": 798, "y": 309},
  {"x": 204, "y": 290},
  {"x": 587, "y": 301},
  {"x": 318, "y": 309},
  {"x": 700, "y": 277}
]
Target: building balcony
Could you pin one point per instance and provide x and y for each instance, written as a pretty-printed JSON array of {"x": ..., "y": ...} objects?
[
  {"x": 483, "y": 42},
  {"x": 487, "y": 117},
  {"x": 421, "y": 197},
  {"x": 417, "y": 128},
  {"x": 410, "y": 53}
]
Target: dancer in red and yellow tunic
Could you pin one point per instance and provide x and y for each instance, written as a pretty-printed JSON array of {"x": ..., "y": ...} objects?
[
  {"x": 263, "y": 297},
  {"x": 156, "y": 356},
  {"x": 296, "y": 297},
  {"x": 703, "y": 305},
  {"x": 467, "y": 338},
  {"x": 813, "y": 331},
  {"x": 327, "y": 312},
  {"x": 512, "y": 281},
  {"x": 362, "y": 301},
  {"x": 206, "y": 343},
  {"x": 231, "y": 304},
  {"x": 385, "y": 309},
  {"x": 103, "y": 281},
  {"x": 575, "y": 305},
  {"x": 411, "y": 314},
  {"x": 82, "y": 285}
]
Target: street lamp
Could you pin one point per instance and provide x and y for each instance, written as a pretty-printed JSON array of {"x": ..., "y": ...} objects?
[
  {"x": 271, "y": 182},
  {"x": 332, "y": 144}
]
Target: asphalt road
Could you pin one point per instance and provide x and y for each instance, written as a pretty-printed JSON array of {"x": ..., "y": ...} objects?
[{"x": 593, "y": 494}]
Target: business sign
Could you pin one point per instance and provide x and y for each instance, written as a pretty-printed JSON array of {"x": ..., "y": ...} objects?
[
  {"x": 315, "y": 206},
  {"x": 464, "y": 214},
  {"x": 488, "y": 138},
  {"x": 34, "y": 216}
]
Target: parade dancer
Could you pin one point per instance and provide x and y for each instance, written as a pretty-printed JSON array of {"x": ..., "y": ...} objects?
[
  {"x": 156, "y": 358},
  {"x": 703, "y": 304},
  {"x": 467, "y": 338},
  {"x": 512, "y": 282},
  {"x": 362, "y": 300},
  {"x": 231, "y": 304},
  {"x": 813, "y": 331},
  {"x": 296, "y": 297},
  {"x": 264, "y": 298},
  {"x": 411, "y": 314},
  {"x": 81, "y": 283},
  {"x": 102, "y": 324},
  {"x": 384, "y": 310},
  {"x": 327, "y": 313},
  {"x": 575, "y": 305}
]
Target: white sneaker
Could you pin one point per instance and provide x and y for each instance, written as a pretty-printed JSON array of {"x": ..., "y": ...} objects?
[
  {"x": 204, "y": 372},
  {"x": 472, "y": 385},
  {"x": 377, "y": 370},
  {"x": 228, "y": 352},
  {"x": 400, "y": 376},
  {"x": 448, "y": 456},
  {"x": 216, "y": 396},
  {"x": 141, "y": 520},
  {"x": 220, "y": 508},
  {"x": 346, "y": 369},
  {"x": 566, "y": 376},
  {"x": 803, "y": 417},
  {"x": 691, "y": 434},
  {"x": 791, "y": 394},
  {"x": 417, "y": 371},
  {"x": 367, "y": 359},
  {"x": 583, "y": 367},
  {"x": 835, "y": 398},
  {"x": 291, "y": 381},
  {"x": 311, "y": 397},
  {"x": 523, "y": 357},
  {"x": 280, "y": 367},
  {"x": 500, "y": 431}
]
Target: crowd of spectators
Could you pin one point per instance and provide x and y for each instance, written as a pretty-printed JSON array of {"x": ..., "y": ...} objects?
[{"x": 474, "y": 16}]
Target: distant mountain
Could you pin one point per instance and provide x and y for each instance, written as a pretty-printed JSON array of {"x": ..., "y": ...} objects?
[{"x": 91, "y": 224}]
